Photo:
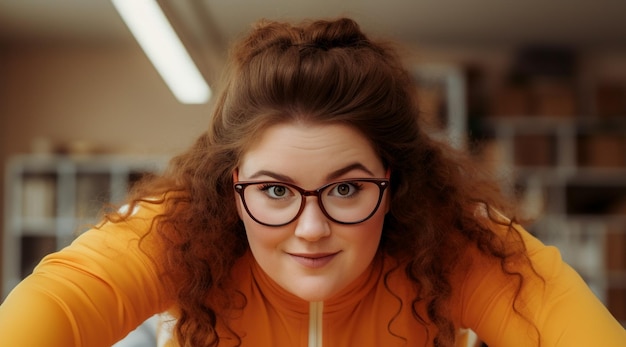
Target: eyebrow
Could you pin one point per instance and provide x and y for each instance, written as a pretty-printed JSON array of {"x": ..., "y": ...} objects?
[
  {"x": 351, "y": 167},
  {"x": 333, "y": 175}
]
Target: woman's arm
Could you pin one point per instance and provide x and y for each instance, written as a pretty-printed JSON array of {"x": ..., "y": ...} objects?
[{"x": 91, "y": 293}]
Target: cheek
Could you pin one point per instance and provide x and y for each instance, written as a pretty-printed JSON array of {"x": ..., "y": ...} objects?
[
  {"x": 261, "y": 237},
  {"x": 365, "y": 237},
  {"x": 367, "y": 240},
  {"x": 376, "y": 231}
]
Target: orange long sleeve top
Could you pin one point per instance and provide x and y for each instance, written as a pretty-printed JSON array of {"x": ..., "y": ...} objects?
[{"x": 102, "y": 286}]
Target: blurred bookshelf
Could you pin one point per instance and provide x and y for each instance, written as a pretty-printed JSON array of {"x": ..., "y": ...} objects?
[
  {"x": 559, "y": 148},
  {"x": 441, "y": 90},
  {"x": 558, "y": 145},
  {"x": 576, "y": 204},
  {"x": 50, "y": 199}
]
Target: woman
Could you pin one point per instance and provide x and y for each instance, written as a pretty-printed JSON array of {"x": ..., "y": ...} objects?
[{"x": 314, "y": 211}]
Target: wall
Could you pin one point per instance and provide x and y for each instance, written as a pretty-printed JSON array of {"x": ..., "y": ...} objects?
[{"x": 110, "y": 97}]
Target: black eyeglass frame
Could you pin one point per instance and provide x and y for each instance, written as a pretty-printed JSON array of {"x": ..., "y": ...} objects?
[{"x": 382, "y": 184}]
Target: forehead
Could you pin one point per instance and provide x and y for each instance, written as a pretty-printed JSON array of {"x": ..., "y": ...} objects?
[{"x": 295, "y": 149}]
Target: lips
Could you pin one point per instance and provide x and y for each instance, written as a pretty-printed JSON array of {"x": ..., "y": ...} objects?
[{"x": 313, "y": 260}]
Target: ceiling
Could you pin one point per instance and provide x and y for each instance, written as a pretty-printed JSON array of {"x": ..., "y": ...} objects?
[{"x": 589, "y": 23}]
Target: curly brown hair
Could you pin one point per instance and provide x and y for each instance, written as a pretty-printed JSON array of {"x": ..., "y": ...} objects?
[{"x": 321, "y": 72}]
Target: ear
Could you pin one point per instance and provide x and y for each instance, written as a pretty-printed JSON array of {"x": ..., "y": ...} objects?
[{"x": 237, "y": 197}]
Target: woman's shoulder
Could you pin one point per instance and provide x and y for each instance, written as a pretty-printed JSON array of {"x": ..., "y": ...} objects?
[
  {"x": 529, "y": 295},
  {"x": 513, "y": 255}
]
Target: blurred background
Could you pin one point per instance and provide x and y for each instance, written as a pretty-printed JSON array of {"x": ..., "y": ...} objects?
[{"x": 534, "y": 89}]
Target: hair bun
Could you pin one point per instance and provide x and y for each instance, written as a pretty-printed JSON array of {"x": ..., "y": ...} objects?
[
  {"x": 321, "y": 34},
  {"x": 343, "y": 32}
]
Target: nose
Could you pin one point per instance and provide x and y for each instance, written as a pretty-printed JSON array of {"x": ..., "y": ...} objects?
[{"x": 312, "y": 225}]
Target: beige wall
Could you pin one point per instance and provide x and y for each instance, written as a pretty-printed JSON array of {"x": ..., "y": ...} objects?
[{"x": 109, "y": 96}]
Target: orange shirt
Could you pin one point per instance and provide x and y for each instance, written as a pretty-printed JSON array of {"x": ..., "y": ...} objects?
[{"x": 102, "y": 286}]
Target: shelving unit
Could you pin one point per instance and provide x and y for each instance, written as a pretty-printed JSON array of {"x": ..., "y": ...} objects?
[
  {"x": 441, "y": 97},
  {"x": 51, "y": 199},
  {"x": 569, "y": 174}
]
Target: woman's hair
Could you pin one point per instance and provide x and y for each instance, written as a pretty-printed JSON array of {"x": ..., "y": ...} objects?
[{"x": 325, "y": 72}]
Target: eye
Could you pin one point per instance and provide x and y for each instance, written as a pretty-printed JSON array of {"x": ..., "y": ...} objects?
[
  {"x": 275, "y": 191},
  {"x": 345, "y": 189}
]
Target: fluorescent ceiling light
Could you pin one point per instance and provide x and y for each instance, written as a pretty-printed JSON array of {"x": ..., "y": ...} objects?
[{"x": 158, "y": 40}]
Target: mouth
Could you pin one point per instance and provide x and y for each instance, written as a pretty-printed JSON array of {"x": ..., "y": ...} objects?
[{"x": 313, "y": 260}]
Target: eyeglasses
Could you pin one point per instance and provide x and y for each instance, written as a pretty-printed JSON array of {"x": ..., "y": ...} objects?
[{"x": 275, "y": 204}]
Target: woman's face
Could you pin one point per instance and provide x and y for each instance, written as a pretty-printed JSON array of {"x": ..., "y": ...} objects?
[{"x": 312, "y": 257}]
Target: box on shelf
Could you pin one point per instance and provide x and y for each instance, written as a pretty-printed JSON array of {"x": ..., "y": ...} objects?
[
  {"x": 511, "y": 101},
  {"x": 536, "y": 99},
  {"x": 616, "y": 241},
  {"x": 615, "y": 250},
  {"x": 554, "y": 100},
  {"x": 603, "y": 150},
  {"x": 610, "y": 99},
  {"x": 534, "y": 150},
  {"x": 616, "y": 302}
]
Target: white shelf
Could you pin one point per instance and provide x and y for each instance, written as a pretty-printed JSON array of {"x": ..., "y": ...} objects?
[
  {"x": 36, "y": 226},
  {"x": 53, "y": 198}
]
